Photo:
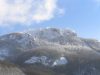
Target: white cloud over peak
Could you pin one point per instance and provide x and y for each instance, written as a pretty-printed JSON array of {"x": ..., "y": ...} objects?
[{"x": 27, "y": 11}]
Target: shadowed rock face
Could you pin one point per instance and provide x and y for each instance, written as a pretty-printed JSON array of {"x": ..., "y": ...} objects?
[{"x": 9, "y": 69}]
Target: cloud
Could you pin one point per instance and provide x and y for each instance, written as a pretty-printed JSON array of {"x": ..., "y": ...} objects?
[{"x": 27, "y": 11}]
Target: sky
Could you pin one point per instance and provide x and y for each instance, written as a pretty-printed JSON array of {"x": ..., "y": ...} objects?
[{"x": 82, "y": 16}]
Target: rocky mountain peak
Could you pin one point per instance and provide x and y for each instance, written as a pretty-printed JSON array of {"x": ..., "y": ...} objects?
[
  {"x": 51, "y": 33},
  {"x": 51, "y": 49}
]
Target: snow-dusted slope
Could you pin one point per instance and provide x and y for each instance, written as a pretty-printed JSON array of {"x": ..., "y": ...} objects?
[
  {"x": 15, "y": 43},
  {"x": 48, "y": 37},
  {"x": 54, "y": 35},
  {"x": 25, "y": 40}
]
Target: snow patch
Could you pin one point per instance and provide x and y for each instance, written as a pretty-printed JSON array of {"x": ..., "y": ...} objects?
[
  {"x": 3, "y": 53},
  {"x": 60, "y": 61},
  {"x": 46, "y": 61},
  {"x": 32, "y": 60},
  {"x": 42, "y": 59}
]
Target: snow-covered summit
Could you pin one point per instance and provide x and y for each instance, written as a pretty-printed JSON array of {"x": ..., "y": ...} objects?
[
  {"x": 55, "y": 35},
  {"x": 47, "y": 37},
  {"x": 51, "y": 33}
]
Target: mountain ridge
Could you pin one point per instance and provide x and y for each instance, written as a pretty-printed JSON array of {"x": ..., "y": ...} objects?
[{"x": 58, "y": 52}]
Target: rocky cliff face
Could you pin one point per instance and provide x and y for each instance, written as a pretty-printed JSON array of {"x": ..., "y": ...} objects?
[{"x": 57, "y": 51}]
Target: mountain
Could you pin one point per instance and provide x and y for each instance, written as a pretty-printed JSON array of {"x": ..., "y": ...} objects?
[{"x": 51, "y": 51}]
